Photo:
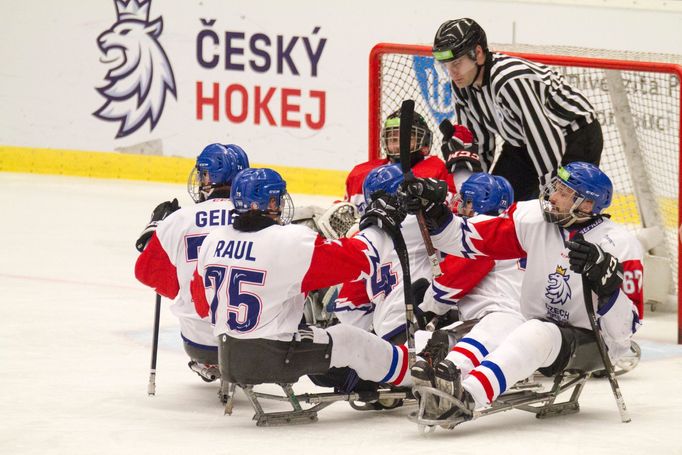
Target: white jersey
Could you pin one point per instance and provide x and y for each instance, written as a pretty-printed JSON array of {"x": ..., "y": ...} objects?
[
  {"x": 550, "y": 290},
  {"x": 253, "y": 284},
  {"x": 385, "y": 287},
  {"x": 498, "y": 290},
  {"x": 169, "y": 260}
]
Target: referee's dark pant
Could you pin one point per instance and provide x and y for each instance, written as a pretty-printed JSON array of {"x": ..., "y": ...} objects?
[{"x": 514, "y": 163}]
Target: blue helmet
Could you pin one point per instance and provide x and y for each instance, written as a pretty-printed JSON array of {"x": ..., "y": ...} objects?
[
  {"x": 253, "y": 189},
  {"x": 215, "y": 166},
  {"x": 386, "y": 178},
  {"x": 488, "y": 194},
  {"x": 587, "y": 182}
]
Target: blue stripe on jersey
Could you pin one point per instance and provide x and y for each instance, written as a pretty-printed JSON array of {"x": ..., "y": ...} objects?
[
  {"x": 394, "y": 332},
  {"x": 498, "y": 374},
  {"x": 604, "y": 309},
  {"x": 475, "y": 343},
  {"x": 394, "y": 363},
  {"x": 635, "y": 321},
  {"x": 197, "y": 345}
]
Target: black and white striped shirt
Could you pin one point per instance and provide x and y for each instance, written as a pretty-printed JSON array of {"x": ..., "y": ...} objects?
[{"x": 526, "y": 103}]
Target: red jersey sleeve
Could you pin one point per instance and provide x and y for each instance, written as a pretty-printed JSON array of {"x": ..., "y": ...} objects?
[
  {"x": 354, "y": 293},
  {"x": 463, "y": 274},
  {"x": 633, "y": 273},
  {"x": 198, "y": 291},
  {"x": 154, "y": 269},
  {"x": 334, "y": 262}
]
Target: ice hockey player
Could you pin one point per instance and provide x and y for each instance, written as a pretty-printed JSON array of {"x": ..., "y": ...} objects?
[
  {"x": 251, "y": 280},
  {"x": 422, "y": 164},
  {"x": 385, "y": 290},
  {"x": 563, "y": 235},
  {"x": 491, "y": 307},
  {"x": 170, "y": 245},
  {"x": 543, "y": 121}
]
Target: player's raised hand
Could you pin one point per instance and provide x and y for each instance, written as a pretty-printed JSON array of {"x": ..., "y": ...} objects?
[
  {"x": 458, "y": 148},
  {"x": 160, "y": 213},
  {"x": 384, "y": 212},
  {"x": 602, "y": 270},
  {"x": 418, "y": 194}
]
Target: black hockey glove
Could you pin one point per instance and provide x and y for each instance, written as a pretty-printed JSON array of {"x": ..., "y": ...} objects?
[
  {"x": 427, "y": 195},
  {"x": 458, "y": 148},
  {"x": 160, "y": 213},
  {"x": 384, "y": 212},
  {"x": 602, "y": 270}
]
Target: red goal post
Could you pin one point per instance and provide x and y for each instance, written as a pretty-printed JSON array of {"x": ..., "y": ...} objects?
[{"x": 638, "y": 104}]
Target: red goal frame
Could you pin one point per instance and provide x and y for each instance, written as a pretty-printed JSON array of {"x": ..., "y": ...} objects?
[{"x": 374, "y": 147}]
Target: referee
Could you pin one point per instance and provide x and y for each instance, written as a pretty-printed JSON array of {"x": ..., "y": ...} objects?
[{"x": 543, "y": 121}]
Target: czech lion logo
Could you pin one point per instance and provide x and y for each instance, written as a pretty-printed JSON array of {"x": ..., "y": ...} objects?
[
  {"x": 558, "y": 291},
  {"x": 140, "y": 73}
]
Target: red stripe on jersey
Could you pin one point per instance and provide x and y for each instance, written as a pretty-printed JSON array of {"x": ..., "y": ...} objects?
[
  {"x": 483, "y": 379},
  {"x": 468, "y": 354},
  {"x": 463, "y": 274},
  {"x": 403, "y": 367},
  {"x": 334, "y": 262},
  {"x": 632, "y": 284},
  {"x": 354, "y": 292},
  {"x": 497, "y": 236},
  {"x": 198, "y": 291},
  {"x": 155, "y": 269}
]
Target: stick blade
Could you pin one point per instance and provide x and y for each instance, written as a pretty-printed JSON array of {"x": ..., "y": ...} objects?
[{"x": 406, "y": 116}]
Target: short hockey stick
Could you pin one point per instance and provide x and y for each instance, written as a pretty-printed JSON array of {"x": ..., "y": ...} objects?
[
  {"x": 151, "y": 387},
  {"x": 404, "y": 257},
  {"x": 608, "y": 366},
  {"x": 601, "y": 345},
  {"x": 406, "y": 116}
]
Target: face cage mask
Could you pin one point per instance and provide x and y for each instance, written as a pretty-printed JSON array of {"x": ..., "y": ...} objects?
[
  {"x": 393, "y": 132},
  {"x": 194, "y": 186},
  {"x": 563, "y": 219},
  {"x": 285, "y": 213}
]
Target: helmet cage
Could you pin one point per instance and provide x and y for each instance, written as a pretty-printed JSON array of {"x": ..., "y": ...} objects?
[
  {"x": 420, "y": 136},
  {"x": 553, "y": 215},
  {"x": 256, "y": 189}
]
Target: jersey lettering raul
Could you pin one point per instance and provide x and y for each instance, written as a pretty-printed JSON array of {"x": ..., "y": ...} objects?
[
  {"x": 253, "y": 284},
  {"x": 429, "y": 167},
  {"x": 498, "y": 290},
  {"x": 168, "y": 262},
  {"x": 525, "y": 103},
  {"x": 550, "y": 290}
]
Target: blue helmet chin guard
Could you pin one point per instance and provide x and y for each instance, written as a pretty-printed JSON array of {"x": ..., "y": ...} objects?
[
  {"x": 216, "y": 166},
  {"x": 589, "y": 184},
  {"x": 386, "y": 178},
  {"x": 488, "y": 194},
  {"x": 254, "y": 189}
]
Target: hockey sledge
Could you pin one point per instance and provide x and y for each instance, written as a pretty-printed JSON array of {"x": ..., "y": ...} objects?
[{"x": 543, "y": 404}]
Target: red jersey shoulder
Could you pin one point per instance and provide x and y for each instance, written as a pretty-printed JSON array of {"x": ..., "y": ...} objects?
[{"x": 357, "y": 175}]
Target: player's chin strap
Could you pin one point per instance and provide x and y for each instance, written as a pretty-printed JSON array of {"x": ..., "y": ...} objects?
[{"x": 401, "y": 250}]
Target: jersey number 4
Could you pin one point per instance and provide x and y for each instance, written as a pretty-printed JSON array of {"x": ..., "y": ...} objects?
[{"x": 243, "y": 308}]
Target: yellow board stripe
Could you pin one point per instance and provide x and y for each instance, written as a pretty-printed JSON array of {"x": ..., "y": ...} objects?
[
  {"x": 324, "y": 182},
  {"x": 111, "y": 165}
]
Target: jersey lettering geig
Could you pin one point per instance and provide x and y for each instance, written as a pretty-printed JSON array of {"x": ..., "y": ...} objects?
[
  {"x": 253, "y": 284},
  {"x": 550, "y": 290},
  {"x": 169, "y": 260},
  {"x": 429, "y": 167}
]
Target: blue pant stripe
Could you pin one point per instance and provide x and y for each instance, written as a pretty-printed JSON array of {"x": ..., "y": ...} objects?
[
  {"x": 394, "y": 363},
  {"x": 498, "y": 373},
  {"x": 475, "y": 343}
]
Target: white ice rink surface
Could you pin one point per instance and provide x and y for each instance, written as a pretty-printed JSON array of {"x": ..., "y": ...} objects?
[{"x": 75, "y": 338}]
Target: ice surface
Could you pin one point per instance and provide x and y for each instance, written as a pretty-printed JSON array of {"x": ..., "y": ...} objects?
[{"x": 75, "y": 345}]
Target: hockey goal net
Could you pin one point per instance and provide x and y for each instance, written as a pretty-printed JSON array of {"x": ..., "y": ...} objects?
[{"x": 637, "y": 98}]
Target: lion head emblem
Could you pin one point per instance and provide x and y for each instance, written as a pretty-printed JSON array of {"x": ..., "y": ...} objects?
[
  {"x": 139, "y": 74},
  {"x": 558, "y": 291}
]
